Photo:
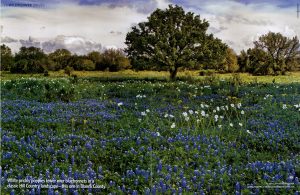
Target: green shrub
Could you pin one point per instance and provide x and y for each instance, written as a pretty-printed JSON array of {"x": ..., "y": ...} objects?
[{"x": 68, "y": 70}]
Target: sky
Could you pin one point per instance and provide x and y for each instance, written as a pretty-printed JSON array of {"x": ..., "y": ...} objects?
[{"x": 86, "y": 25}]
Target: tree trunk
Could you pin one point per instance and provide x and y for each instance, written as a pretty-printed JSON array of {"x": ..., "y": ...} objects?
[{"x": 173, "y": 73}]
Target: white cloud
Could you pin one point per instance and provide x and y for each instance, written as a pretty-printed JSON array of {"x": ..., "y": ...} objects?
[
  {"x": 235, "y": 23},
  {"x": 75, "y": 44},
  {"x": 162, "y": 4},
  {"x": 94, "y": 22},
  {"x": 239, "y": 24}
]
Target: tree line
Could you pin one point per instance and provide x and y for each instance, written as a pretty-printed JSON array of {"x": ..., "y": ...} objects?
[
  {"x": 34, "y": 60},
  {"x": 169, "y": 40}
]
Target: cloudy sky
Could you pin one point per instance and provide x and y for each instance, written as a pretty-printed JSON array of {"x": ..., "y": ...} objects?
[{"x": 86, "y": 25}]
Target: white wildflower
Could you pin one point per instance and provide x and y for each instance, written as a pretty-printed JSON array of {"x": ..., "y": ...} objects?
[
  {"x": 143, "y": 113},
  {"x": 173, "y": 126},
  {"x": 284, "y": 106},
  {"x": 216, "y": 118},
  {"x": 203, "y": 113}
]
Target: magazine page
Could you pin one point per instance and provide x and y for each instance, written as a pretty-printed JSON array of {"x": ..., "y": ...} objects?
[{"x": 150, "y": 97}]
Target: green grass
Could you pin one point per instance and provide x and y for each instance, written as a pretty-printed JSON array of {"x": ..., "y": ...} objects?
[{"x": 155, "y": 75}]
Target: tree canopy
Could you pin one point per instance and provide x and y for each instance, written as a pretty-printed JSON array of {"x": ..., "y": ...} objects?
[
  {"x": 273, "y": 54},
  {"x": 282, "y": 51},
  {"x": 7, "y": 58},
  {"x": 173, "y": 38},
  {"x": 30, "y": 60},
  {"x": 60, "y": 57}
]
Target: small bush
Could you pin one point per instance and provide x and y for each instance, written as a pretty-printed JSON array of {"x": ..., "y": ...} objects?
[
  {"x": 46, "y": 73},
  {"x": 68, "y": 70}
]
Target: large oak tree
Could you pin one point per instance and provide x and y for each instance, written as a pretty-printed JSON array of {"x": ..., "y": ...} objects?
[{"x": 172, "y": 38}]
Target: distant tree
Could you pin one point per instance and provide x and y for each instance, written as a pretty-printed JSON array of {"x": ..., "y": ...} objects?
[
  {"x": 96, "y": 57},
  {"x": 258, "y": 62},
  {"x": 88, "y": 65},
  {"x": 30, "y": 60},
  {"x": 230, "y": 62},
  {"x": 243, "y": 61},
  {"x": 281, "y": 52},
  {"x": 81, "y": 63},
  {"x": 114, "y": 60},
  {"x": 172, "y": 38},
  {"x": 213, "y": 53},
  {"x": 7, "y": 58},
  {"x": 60, "y": 57}
]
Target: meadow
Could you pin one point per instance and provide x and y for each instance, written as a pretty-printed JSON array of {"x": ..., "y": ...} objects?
[{"x": 138, "y": 133}]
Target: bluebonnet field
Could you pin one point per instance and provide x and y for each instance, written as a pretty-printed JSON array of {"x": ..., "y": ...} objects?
[{"x": 151, "y": 137}]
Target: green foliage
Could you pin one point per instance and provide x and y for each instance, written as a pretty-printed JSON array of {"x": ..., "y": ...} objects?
[
  {"x": 88, "y": 65},
  {"x": 7, "y": 58},
  {"x": 235, "y": 82},
  {"x": 243, "y": 61},
  {"x": 96, "y": 58},
  {"x": 60, "y": 57},
  {"x": 282, "y": 51},
  {"x": 44, "y": 90},
  {"x": 114, "y": 60},
  {"x": 80, "y": 63},
  {"x": 30, "y": 60},
  {"x": 68, "y": 70},
  {"x": 172, "y": 38},
  {"x": 273, "y": 54},
  {"x": 230, "y": 63}
]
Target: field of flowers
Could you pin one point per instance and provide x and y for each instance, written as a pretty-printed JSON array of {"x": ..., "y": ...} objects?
[{"x": 150, "y": 137}]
